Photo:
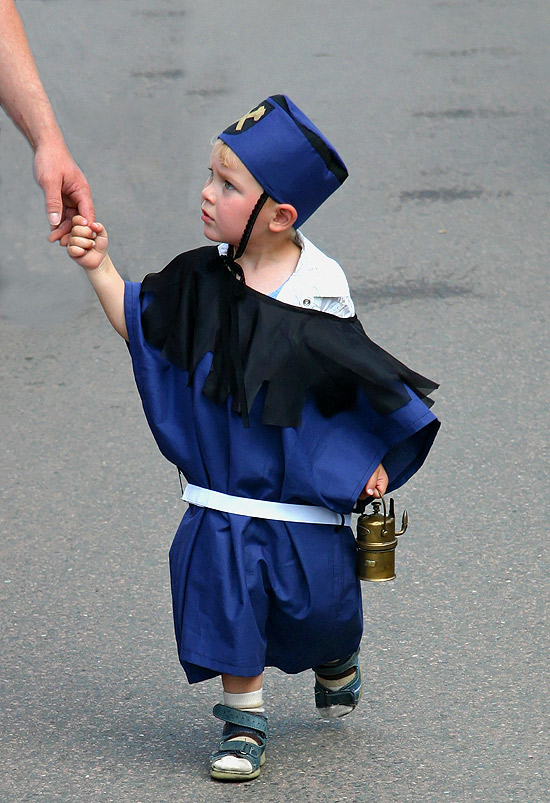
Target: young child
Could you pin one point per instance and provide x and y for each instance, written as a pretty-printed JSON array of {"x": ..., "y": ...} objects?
[{"x": 260, "y": 385}]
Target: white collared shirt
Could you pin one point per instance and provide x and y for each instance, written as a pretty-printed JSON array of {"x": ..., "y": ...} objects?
[{"x": 318, "y": 282}]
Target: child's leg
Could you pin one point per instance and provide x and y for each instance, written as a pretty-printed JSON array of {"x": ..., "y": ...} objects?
[
  {"x": 245, "y": 731},
  {"x": 237, "y": 685}
]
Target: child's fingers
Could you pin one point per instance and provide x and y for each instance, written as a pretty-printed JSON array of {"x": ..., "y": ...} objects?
[
  {"x": 81, "y": 242},
  {"x": 83, "y": 231},
  {"x": 378, "y": 483},
  {"x": 76, "y": 251}
]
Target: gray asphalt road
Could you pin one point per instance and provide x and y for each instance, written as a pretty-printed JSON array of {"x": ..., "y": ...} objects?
[{"x": 441, "y": 112}]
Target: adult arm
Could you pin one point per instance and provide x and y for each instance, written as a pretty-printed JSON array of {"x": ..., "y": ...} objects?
[{"x": 23, "y": 97}]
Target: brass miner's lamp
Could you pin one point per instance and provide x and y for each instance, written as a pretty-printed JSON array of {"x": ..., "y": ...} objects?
[{"x": 376, "y": 542}]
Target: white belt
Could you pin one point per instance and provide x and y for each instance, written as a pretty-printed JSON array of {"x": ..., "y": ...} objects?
[{"x": 262, "y": 509}]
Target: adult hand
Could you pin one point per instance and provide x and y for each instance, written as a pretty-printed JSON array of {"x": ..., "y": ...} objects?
[
  {"x": 24, "y": 99},
  {"x": 66, "y": 190}
]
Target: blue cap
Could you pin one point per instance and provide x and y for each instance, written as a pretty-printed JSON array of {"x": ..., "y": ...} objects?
[{"x": 294, "y": 163}]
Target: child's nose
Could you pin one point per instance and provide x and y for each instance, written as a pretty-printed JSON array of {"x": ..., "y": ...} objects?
[{"x": 207, "y": 193}]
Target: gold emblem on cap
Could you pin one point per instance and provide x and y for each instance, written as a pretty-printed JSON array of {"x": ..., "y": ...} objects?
[{"x": 255, "y": 114}]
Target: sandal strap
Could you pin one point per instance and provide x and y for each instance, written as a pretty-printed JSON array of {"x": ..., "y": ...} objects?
[
  {"x": 243, "y": 718},
  {"x": 347, "y": 695},
  {"x": 240, "y": 748},
  {"x": 325, "y": 698},
  {"x": 329, "y": 670}
]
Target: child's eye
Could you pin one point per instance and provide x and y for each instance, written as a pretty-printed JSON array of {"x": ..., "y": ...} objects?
[{"x": 228, "y": 185}]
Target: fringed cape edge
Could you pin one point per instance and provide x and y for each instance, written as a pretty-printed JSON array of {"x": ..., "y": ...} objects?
[{"x": 198, "y": 306}]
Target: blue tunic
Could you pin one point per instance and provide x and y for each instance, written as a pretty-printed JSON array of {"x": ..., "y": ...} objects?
[{"x": 249, "y": 593}]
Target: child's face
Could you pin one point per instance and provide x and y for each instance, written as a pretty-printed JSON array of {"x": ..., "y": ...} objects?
[{"x": 228, "y": 198}]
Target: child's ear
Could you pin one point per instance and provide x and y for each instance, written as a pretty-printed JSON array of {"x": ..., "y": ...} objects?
[{"x": 284, "y": 217}]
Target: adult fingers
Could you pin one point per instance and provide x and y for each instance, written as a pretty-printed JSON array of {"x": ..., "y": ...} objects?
[
  {"x": 84, "y": 203},
  {"x": 64, "y": 227}
]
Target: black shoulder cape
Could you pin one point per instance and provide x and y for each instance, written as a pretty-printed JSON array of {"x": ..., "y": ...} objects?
[{"x": 199, "y": 306}]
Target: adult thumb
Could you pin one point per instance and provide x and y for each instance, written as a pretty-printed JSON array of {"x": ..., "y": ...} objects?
[
  {"x": 54, "y": 216},
  {"x": 54, "y": 204}
]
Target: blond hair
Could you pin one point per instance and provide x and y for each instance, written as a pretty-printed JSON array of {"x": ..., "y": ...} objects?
[{"x": 227, "y": 157}]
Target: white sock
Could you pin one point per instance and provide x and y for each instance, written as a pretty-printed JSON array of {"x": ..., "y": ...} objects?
[{"x": 247, "y": 701}]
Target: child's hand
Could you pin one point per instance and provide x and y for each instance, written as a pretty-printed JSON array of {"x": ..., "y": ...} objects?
[
  {"x": 87, "y": 243},
  {"x": 377, "y": 484}
]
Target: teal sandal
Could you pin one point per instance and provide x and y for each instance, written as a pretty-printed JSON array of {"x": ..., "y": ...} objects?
[
  {"x": 337, "y": 703},
  {"x": 243, "y": 740}
]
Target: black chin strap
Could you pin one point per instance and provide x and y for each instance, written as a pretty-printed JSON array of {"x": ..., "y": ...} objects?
[
  {"x": 232, "y": 255},
  {"x": 250, "y": 225},
  {"x": 230, "y": 312}
]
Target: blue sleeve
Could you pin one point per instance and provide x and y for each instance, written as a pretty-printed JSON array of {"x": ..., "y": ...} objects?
[
  {"x": 333, "y": 458},
  {"x": 164, "y": 390}
]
